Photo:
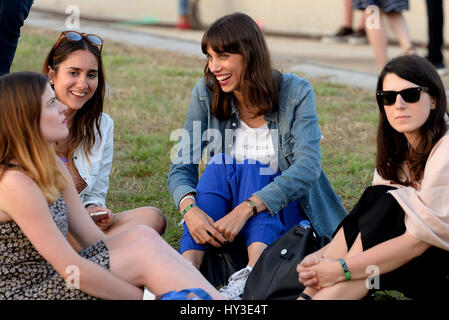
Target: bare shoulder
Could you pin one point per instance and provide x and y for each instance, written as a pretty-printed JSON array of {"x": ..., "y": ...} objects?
[
  {"x": 15, "y": 179},
  {"x": 15, "y": 186}
]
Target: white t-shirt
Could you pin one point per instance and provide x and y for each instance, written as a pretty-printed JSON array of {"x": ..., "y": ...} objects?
[{"x": 255, "y": 144}]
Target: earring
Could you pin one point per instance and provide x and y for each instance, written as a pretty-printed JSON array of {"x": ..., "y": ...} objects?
[{"x": 51, "y": 82}]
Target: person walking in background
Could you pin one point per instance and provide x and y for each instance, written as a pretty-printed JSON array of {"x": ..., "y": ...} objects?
[
  {"x": 346, "y": 33},
  {"x": 435, "y": 22},
  {"x": 12, "y": 15},
  {"x": 377, "y": 33},
  {"x": 188, "y": 15}
]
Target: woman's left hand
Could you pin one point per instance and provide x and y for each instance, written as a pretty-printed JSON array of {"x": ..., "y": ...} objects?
[
  {"x": 327, "y": 272},
  {"x": 231, "y": 224}
]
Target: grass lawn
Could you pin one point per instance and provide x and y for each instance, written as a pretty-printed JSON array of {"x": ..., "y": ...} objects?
[{"x": 148, "y": 98}]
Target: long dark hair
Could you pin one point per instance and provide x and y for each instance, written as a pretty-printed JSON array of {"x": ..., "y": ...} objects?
[
  {"x": 82, "y": 131},
  {"x": 392, "y": 147},
  {"x": 239, "y": 33}
]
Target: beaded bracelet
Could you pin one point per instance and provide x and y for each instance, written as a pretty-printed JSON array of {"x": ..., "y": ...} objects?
[
  {"x": 345, "y": 269},
  {"x": 190, "y": 206}
]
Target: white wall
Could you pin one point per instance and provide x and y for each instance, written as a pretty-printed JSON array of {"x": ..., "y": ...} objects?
[{"x": 305, "y": 16}]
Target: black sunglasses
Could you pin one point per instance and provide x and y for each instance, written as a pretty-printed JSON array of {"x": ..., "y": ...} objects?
[
  {"x": 75, "y": 36},
  {"x": 410, "y": 95}
]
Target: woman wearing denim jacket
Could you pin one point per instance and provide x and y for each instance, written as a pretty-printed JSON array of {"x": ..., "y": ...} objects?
[
  {"x": 261, "y": 131},
  {"x": 75, "y": 69}
]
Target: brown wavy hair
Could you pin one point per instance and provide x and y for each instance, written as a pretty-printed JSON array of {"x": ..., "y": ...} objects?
[
  {"x": 20, "y": 136},
  {"x": 239, "y": 33},
  {"x": 393, "y": 150},
  {"x": 82, "y": 131}
]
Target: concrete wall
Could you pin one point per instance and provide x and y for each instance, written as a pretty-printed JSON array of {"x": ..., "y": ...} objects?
[{"x": 316, "y": 17}]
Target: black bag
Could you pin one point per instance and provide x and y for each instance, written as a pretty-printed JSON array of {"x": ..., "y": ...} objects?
[
  {"x": 220, "y": 263},
  {"x": 274, "y": 276}
]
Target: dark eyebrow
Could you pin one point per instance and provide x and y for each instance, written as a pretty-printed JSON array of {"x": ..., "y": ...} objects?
[{"x": 78, "y": 69}]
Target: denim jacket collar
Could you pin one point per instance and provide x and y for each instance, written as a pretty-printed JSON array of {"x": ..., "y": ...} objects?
[{"x": 273, "y": 116}]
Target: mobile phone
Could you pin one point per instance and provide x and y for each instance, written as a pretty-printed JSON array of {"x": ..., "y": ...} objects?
[{"x": 99, "y": 215}]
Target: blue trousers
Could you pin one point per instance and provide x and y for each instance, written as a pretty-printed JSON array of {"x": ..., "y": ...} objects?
[
  {"x": 225, "y": 184},
  {"x": 12, "y": 15}
]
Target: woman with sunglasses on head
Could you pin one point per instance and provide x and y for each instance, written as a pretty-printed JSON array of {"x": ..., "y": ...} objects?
[
  {"x": 261, "y": 130},
  {"x": 400, "y": 226},
  {"x": 36, "y": 260},
  {"x": 75, "y": 69}
]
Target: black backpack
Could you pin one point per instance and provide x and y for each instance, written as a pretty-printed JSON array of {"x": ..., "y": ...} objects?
[{"x": 274, "y": 276}]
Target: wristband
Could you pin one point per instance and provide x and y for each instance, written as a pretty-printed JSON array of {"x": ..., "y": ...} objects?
[
  {"x": 185, "y": 198},
  {"x": 345, "y": 269},
  {"x": 190, "y": 206}
]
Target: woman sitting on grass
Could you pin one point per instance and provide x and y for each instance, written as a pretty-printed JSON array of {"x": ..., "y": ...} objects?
[
  {"x": 39, "y": 204},
  {"x": 75, "y": 69},
  {"x": 400, "y": 226},
  {"x": 259, "y": 127}
]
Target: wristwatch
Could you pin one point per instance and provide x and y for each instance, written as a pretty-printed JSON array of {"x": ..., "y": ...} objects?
[{"x": 253, "y": 206}]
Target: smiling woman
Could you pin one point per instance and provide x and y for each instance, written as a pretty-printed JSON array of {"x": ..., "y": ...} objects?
[
  {"x": 267, "y": 176},
  {"x": 76, "y": 81},
  {"x": 75, "y": 69},
  {"x": 36, "y": 260}
]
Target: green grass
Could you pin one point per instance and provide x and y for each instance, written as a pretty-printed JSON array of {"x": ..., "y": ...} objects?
[{"x": 148, "y": 99}]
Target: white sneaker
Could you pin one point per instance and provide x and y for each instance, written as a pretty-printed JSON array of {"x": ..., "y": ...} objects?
[{"x": 236, "y": 284}]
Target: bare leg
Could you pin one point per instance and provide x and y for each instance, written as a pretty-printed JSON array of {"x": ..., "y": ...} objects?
[
  {"x": 398, "y": 24},
  {"x": 378, "y": 39},
  {"x": 351, "y": 290},
  {"x": 337, "y": 248},
  {"x": 255, "y": 249},
  {"x": 140, "y": 256},
  {"x": 194, "y": 256},
  {"x": 347, "y": 14},
  {"x": 362, "y": 22},
  {"x": 146, "y": 216}
]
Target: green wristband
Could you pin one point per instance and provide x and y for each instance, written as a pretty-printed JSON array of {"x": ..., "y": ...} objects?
[
  {"x": 345, "y": 269},
  {"x": 190, "y": 206}
]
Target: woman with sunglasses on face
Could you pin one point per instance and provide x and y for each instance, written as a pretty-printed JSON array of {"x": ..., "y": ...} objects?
[
  {"x": 400, "y": 226},
  {"x": 261, "y": 130},
  {"x": 75, "y": 69},
  {"x": 36, "y": 260}
]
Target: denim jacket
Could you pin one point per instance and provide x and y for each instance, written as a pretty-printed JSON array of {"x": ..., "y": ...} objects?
[
  {"x": 96, "y": 169},
  {"x": 296, "y": 138}
]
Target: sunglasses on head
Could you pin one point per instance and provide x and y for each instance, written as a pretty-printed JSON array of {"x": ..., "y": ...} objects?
[
  {"x": 75, "y": 36},
  {"x": 410, "y": 95}
]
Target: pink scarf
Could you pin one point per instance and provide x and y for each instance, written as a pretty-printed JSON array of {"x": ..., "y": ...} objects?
[{"x": 427, "y": 206}]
